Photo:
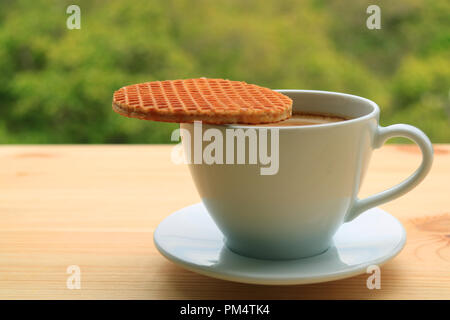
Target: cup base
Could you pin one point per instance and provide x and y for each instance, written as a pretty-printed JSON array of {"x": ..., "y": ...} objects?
[{"x": 262, "y": 252}]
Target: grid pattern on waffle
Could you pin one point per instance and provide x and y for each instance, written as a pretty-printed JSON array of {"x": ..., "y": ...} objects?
[{"x": 202, "y": 96}]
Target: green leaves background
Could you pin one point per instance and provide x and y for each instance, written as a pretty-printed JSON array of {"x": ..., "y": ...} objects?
[{"x": 56, "y": 84}]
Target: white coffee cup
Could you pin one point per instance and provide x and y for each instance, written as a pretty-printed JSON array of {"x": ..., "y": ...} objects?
[{"x": 295, "y": 212}]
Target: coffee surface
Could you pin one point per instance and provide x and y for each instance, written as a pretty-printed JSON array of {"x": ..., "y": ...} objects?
[{"x": 306, "y": 119}]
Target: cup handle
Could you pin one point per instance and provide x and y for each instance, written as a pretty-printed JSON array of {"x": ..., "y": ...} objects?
[{"x": 383, "y": 134}]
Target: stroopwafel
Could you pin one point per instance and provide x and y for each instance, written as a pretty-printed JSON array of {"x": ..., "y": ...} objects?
[{"x": 215, "y": 101}]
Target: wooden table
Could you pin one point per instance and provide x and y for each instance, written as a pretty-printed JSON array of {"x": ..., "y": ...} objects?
[{"x": 97, "y": 207}]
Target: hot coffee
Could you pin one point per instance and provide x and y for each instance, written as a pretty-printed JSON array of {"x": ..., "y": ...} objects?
[{"x": 306, "y": 119}]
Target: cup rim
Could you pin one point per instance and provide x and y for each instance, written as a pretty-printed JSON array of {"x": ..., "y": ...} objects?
[{"x": 373, "y": 114}]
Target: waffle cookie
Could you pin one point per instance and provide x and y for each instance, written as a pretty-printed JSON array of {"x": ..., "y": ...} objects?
[{"x": 214, "y": 101}]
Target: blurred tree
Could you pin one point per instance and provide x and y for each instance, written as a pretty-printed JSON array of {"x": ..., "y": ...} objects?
[{"x": 56, "y": 84}]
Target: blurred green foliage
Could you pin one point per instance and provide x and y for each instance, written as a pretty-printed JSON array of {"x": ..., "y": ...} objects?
[{"x": 56, "y": 84}]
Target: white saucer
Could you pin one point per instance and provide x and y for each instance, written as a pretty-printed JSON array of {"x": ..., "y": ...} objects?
[{"x": 190, "y": 239}]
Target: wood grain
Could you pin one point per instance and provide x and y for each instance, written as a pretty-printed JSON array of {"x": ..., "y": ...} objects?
[{"x": 97, "y": 206}]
